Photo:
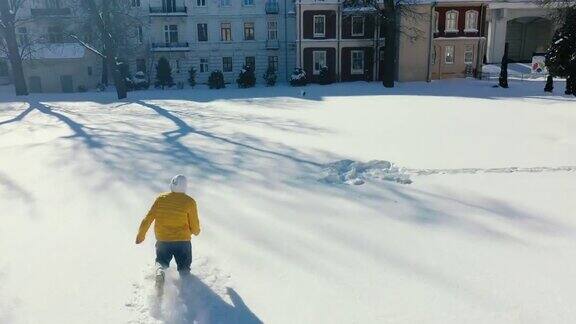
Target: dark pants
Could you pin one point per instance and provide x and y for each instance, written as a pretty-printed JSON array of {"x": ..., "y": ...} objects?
[{"x": 180, "y": 250}]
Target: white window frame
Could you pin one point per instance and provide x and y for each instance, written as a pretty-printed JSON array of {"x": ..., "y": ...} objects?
[
  {"x": 222, "y": 31},
  {"x": 453, "y": 54},
  {"x": 436, "y": 19},
  {"x": 448, "y": 29},
  {"x": 198, "y": 31},
  {"x": 204, "y": 62},
  {"x": 314, "y": 55},
  {"x": 168, "y": 33},
  {"x": 200, "y": 3},
  {"x": 225, "y": 3},
  {"x": 471, "y": 23},
  {"x": 272, "y": 29},
  {"x": 231, "y": 64},
  {"x": 248, "y": 3},
  {"x": 469, "y": 49},
  {"x": 247, "y": 24},
  {"x": 352, "y": 69},
  {"x": 323, "y": 33},
  {"x": 352, "y": 26},
  {"x": 139, "y": 35},
  {"x": 136, "y": 3}
]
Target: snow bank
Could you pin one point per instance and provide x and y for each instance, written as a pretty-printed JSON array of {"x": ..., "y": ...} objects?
[{"x": 354, "y": 172}]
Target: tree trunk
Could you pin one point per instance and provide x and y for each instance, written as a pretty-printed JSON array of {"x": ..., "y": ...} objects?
[
  {"x": 14, "y": 57},
  {"x": 390, "y": 46},
  {"x": 104, "y": 79},
  {"x": 549, "y": 87}
]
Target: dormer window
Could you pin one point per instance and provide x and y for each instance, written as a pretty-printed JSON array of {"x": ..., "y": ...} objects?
[
  {"x": 451, "y": 21},
  {"x": 471, "y": 21}
]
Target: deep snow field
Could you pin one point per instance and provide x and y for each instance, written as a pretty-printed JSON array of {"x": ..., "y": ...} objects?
[{"x": 484, "y": 233}]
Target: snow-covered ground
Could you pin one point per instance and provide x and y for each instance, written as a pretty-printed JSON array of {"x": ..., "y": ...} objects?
[{"x": 485, "y": 233}]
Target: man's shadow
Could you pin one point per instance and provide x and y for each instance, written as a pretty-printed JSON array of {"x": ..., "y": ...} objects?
[{"x": 204, "y": 306}]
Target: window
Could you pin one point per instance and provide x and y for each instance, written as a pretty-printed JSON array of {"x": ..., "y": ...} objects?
[
  {"x": 224, "y": 3},
  {"x": 227, "y": 64},
  {"x": 357, "y": 26},
  {"x": 55, "y": 34},
  {"x": 204, "y": 65},
  {"x": 202, "y": 32},
  {"x": 22, "y": 35},
  {"x": 249, "y": 31},
  {"x": 169, "y": 5},
  {"x": 89, "y": 70},
  {"x": 52, "y": 4},
  {"x": 272, "y": 30},
  {"x": 248, "y": 2},
  {"x": 139, "y": 35},
  {"x": 436, "y": 21},
  {"x": 451, "y": 21},
  {"x": 319, "y": 26},
  {"x": 357, "y": 64},
  {"x": 135, "y": 3},
  {"x": 250, "y": 61},
  {"x": 201, "y": 3},
  {"x": 319, "y": 58},
  {"x": 171, "y": 34},
  {"x": 226, "y": 32},
  {"x": 273, "y": 62},
  {"x": 471, "y": 21},
  {"x": 449, "y": 54},
  {"x": 141, "y": 65},
  {"x": 468, "y": 54}
]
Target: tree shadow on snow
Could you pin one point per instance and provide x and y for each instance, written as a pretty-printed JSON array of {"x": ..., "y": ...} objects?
[{"x": 204, "y": 306}]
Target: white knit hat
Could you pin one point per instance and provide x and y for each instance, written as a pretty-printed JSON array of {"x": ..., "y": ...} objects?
[{"x": 178, "y": 184}]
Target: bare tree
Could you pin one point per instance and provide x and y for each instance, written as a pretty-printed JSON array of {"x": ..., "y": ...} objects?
[
  {"x": 115, "y": 24},
  {"x": 388, "y": 15},
  {"x": 8, "y": 12}
]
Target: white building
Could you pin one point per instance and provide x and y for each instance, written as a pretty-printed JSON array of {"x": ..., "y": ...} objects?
[{"x": 222, "y": 35}]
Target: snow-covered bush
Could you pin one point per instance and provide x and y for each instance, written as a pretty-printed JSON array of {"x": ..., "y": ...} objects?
[
  {"x": 192, "y": 77},
  {"x": 298, "y": 77},
  {"x": 246, "y": 78},
  {"x": 140, "y": 81},
  {"x": 325, "y": 77},
  {"x": 216, "y": 80},
  {"x": 270, "y": 76}
]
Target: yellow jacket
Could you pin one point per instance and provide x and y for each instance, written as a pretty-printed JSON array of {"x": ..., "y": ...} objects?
[{"x": 176, "y": 218}]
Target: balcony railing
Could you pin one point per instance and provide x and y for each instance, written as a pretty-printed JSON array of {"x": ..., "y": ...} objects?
[
  {"x": 272, "y": 44},
  {"x": 180, "y": 46},
  {"x": 42, "y": 12},
  {"x": 169, "y": 11},
  {"x": 272, "y": 7}
]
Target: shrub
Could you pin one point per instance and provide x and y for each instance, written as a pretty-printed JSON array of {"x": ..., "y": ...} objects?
[
  {"x": 140, "y": 81},
  {"x": 246, "y": 78},
  {"x": 270, "y": 76},
  {"x": 192, "y": 77},
  {"x": 216, "y": 80},
  {"x": 163, "y": 73},
  {"x": 298, "y": 77},
  {"x": 325, "y": 77},
  {"x": 81, "y": 88}
]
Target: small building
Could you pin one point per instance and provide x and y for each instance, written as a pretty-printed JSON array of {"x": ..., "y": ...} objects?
[{"x": 459, "y": 41}]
